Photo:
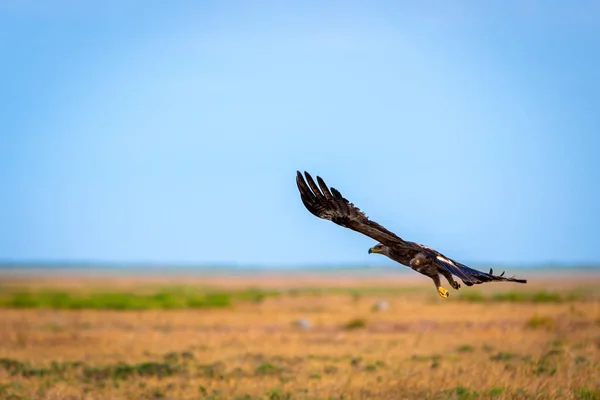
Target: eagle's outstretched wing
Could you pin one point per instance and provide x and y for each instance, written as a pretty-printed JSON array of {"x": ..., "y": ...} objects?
[
  {"x": 469, "y": 275},
  {"x": 328, "y": 203}
]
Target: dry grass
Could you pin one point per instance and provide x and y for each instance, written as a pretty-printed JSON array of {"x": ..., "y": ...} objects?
[{"x": 507, "y": 346}]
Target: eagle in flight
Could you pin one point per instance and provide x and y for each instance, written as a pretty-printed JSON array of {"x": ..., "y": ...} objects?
[{"x": 328, "y": 203}]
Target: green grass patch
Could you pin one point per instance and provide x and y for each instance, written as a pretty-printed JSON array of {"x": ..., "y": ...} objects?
[
  {"x": 519, "y": 297},
  {"x": 356, "y": 323},
  {"x": 276, "y": 394},
  {"x": 371, "y": 368},
  {"x": 165, "y": 298},
  {"x": 98, "y": 375},
  {"x": 547, "y": 363},
  {"x": 421, "y": 357},
  {"x": 535, "y": 297},
  {"x": 540, "y": 322},
  {"x": 465, "y": 348},
  {"x": 472, "y": 296},
  {"x": 587, "y": 394},
  {"x": 268, "y": 368},
  {"x": 501, "y": 356},
  {"x": 89, "y": 373},
  {"x": 125, "y": 371},
  {"x": 462, "y": 393}
]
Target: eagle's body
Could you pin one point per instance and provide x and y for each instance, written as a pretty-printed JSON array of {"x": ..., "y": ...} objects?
[{"x": 328, "y": 203}]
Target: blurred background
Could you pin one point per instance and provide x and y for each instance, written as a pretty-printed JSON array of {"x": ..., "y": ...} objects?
[{"x": 146, "y": 132}]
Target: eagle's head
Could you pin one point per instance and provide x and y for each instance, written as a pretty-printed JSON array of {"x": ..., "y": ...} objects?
[{"x": 379, "y": 249}]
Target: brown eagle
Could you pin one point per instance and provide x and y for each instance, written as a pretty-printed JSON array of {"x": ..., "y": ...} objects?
[{"x": 328, "y": 203}]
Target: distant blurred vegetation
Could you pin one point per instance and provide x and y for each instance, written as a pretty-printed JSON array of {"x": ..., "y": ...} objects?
[
  {"x": 522, "y": 296},
  {"x": 186, "y": 296},
  {"x": 168, "y": 298},
  {"x": 173, "y": 297}
]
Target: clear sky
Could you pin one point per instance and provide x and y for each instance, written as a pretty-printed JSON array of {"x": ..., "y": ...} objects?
[{"x": 172, "y": 131}]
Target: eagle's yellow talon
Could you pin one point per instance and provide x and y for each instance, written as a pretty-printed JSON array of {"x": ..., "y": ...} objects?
[
  {"x": 455, "y": 285},
  {"x": 443, "y": 292}
]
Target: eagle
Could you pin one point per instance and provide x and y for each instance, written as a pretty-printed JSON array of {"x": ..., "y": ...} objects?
[{"x": 328, "y": 203}]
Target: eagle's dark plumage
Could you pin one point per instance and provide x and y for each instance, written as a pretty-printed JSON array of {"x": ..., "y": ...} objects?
[{"x": 328, "y": 203}]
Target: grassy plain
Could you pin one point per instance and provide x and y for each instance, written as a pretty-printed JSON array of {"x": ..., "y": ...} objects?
[{"x": 297, "y": 337}]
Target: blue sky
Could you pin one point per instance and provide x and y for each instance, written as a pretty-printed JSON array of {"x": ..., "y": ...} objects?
[{"x": 172, "y": 132}]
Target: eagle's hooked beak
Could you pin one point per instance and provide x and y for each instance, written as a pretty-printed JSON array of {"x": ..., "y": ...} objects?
[{"x": 373, "y": 250}]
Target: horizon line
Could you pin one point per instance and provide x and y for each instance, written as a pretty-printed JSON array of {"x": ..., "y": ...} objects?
[{"x": 5, "y": 263}]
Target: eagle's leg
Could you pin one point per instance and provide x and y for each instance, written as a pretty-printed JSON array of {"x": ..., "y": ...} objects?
[
  {"x": 451, "y": 281},
  {"x": 420, "y": 264},
  {"x": 438, "y": 284}
]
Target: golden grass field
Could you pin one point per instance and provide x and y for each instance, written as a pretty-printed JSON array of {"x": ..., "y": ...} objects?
[{"x": 495, "y": 341}]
